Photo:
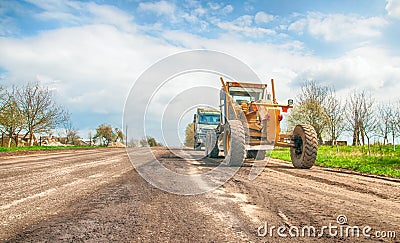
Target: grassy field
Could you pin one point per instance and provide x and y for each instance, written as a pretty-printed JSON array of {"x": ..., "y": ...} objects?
[
  {"x": 36, "y": 148},
  {"x": 382, "y": 161}
]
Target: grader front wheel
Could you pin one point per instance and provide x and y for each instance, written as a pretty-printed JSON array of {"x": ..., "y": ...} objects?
[
  {"x": 234, "y": 143},
  {"x": 305, "y": 148}
]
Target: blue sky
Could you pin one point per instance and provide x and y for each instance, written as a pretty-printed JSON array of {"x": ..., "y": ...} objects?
[{"x": 91, "y": 52}]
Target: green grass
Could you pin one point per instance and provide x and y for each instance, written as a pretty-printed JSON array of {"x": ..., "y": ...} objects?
[
  {"x": 38, "y": 148},
  {"x": 382, "y": 161}
]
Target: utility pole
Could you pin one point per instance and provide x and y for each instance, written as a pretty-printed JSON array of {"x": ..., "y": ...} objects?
[
  {"x": 126, "y": 135},
  {"x": 90, "y": 138}
]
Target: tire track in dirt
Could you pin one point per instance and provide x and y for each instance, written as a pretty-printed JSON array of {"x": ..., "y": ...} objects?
[
  {"x": 47, "y": 191},
  {"x": 385, "y": 188},
  {"x": 308, "y": 200},
  {"x": 20, "y": 182},
  {"x": 36, "y": 160}
]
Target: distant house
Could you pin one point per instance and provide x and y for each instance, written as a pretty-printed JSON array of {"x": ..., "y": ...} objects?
[
  {"x": 330, "y": 143},
  {"x": 50, "y": 141},
  {"x": 22, "y": 140},
  {"x": 85, "y": 142}
]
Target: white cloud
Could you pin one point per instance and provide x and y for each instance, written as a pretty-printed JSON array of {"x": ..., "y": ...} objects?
[
  {"x": 50, "y": 5},
  {"x": 93, "y": 73},
  {"x": 227, "y": 9},
  {"x": 94, "y": 64},
  {"x": 261, "y": 17},
  {"x": 244, "y": 25},
  {"x": 60, "y": 10},
  {"x": 81, "y": 13},
  {"x": 245, "y": 20},
  {"x": 298, "y": 26},
  {"x": 366, "y": 67},
  {"x": 160, "y": 8},
  {"x": 340, "y": 27},
  {"x": 214, "y": 6},
  {"x": 219, "y": 8},
  {"x": 246, "y": 30},
  {"x": 393, "y": 8},
  {"x": 104, "y": 14},
  {"x": 100, "y": 65},
  {"x": 200, "y": 11}
]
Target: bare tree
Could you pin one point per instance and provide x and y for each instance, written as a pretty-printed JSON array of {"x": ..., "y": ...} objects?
[
  {"x": 369, "y": 121},
  {"x": 72, "y": 136},
  {"x": 395, "y": 122},
  {"x": 118, "y": 135},
  {"x": 361, "y": 118},
  {"x": 353, "y": 115},
  {"x": 385, "y": 118},
  {"x": 334, "y": 113},
  {"x": 310, "y": 108},
  {"x": 39, "y": 109}
]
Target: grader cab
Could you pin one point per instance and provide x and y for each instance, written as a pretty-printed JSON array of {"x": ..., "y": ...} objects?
[{"x": 250, "y": 125}]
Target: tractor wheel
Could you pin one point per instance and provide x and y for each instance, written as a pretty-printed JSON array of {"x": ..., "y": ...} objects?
[
  {"x": 211, "y": 146},
  {"x": 234, "y": 143},
  {"x": 242, "y": 118},
  {"x": 305, "y": 148},
  {"x": 256, "y": 154}
]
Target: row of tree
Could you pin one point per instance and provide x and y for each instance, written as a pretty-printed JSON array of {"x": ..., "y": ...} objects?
[
  {"x": 104, "y": 135},
  {"x": 147, "y": 141},
  {"x": 31, "y": 109},
  {"x": 359, "y": 114},
  {"x": 27, "y": 110}
]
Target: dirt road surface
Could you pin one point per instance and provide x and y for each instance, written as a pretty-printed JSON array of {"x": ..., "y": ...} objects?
[{"x": 97, "y": 196}]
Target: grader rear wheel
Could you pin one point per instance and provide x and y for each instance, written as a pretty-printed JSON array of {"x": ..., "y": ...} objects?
[
  {"x": 234, "y": 143},
  {"x": 211, "y": 147},
  {"x": 305, "y": 148}
]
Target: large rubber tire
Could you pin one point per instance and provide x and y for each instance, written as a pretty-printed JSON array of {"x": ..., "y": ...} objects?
[
  {"x": 304, "y": 152},
  {"x": 234, "y": 143},
  {"x": 256, "y": 154},
  {"x": 242, "y": 118},
  {"x": 211, "y": 146}
]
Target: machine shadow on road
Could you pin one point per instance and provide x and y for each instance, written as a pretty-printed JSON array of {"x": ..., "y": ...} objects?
[
  {"x": 197, "y": 159},
  {"x": 248, "y": 163}
]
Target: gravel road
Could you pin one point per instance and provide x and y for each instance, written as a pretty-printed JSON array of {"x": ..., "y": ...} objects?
[{"x": 97, "y": 196}]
